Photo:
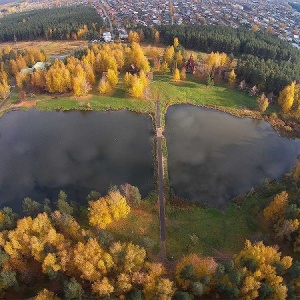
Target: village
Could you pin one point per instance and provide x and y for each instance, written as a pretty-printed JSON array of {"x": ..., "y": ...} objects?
[{"x": 274, "y": 16}]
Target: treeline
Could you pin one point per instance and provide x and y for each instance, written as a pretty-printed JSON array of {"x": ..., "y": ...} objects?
[
  {"x": 229, "y": 40},
  {"x": 74, "y": 22},
  {"x": 268, "y": 75},
  {"x": 264, "y": 59}
]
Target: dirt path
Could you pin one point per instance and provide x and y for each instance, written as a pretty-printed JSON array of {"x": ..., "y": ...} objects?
[{"x": 161, "y": 198}]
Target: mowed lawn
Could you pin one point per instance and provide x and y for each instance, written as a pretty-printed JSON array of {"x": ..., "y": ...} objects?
[{"x": 194, "y": 92}]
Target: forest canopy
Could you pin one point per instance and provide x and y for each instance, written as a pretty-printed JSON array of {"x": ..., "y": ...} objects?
[{"x": 73, "y": 22}]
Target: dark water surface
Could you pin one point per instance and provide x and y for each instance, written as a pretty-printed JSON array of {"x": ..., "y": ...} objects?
[
  {"x": 43, "y": 152},
  {"x": 214, "y": 156}
]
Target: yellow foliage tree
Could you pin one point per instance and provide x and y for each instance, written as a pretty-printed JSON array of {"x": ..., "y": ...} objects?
[
  {"x": 80, "y": 84},
  {"x": 137, "y": 87},
  {"x": 176, "y": 75},
  {"x": 275, "y": 210},
  {"x": 50, "y": 263},
  {"x": 164, "y": 67},
  {"x": 262, "y": 103},
  {"x": 231, "y": 78},
  {"x": 156, "y": 287},
  {"x": 99, "y": 213},
  {"x": 105, "y": 61},
  {"x": 112, "y": 78},
  {"x": 89, "y": 72},
  {"x": 137, "y": 57},
  {"x": 202, "y": 267},
  {"x": 175, "y": 42},
  {"x": 117, "y": 204},
  {"x": 128, "y": 258},
  {"x": 46, "y": 295},
  {"x": 265, "y": 259},
  {"x": 156, "y": 36},
  {"x": 169, "y": 55},
  {"x": 127, "y": 80},
  {"x": 58, "y": 78},
  {"x": 4, "y": 89},
  {"x": 133, "y": 36},
  {"x": 38, "y": 79},
  {"x": 286, "y": 97},
  {"x": 102, "y": 288},
  {"x": 104, "y": 86},
  {"x": 22, "y": 79},
  {"x": 123, "y": 284},
  {"x": 179, "y": 59}
]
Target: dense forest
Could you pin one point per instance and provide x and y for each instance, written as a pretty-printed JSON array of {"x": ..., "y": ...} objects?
[
  {"x": 60, "y": 250},
  {"x": 264, "y": 59},
  {"x": 72, "y": 22}
]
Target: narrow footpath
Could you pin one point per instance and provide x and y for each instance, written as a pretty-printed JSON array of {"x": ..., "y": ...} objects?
[{"x": 160, "y": 180}]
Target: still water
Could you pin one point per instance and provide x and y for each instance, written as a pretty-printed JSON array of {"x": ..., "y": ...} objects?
[
  {"x": 214, "y": 156},
  {"x": 43, "y": 152}
]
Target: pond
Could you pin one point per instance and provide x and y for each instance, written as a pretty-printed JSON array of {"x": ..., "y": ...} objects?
[
  {"x": 44, "y": 152},
  {"x": 214, "y": 156}
]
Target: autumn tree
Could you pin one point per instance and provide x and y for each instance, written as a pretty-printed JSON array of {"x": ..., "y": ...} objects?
[
  {"x": 102, "y": 288},
  {"x": 112, "y": 78},
  {"x": 38, "y": 79},
  {"x": 4, "y": 89},
  {"x": 133, "y": 36},
  {"x": 274, "y": 211},
  {"x": 80, "y": 84},
  {"x": 183, "y": 74},
  {"x": 263, "y": 265},
  {"x": 106, "y": 209},
  {"x": 22, "y": 80},
  {"x": 46, "y": 295},
  {"x": 156, "y": 36},
  {"x": 231, "y": 78},
  {"x": 104, "y": 87},
  {"x": 286, "y": 97},
  {"x": 164, "y": 67},
  {"x": 176, "y": 75},
  {"x": 91, "y": 260},
  {"x": 175, "y": 42},
  {"x": 262, "y": 103},
  {"x": 58, "y": 78},
  {"x": 192, "y": 268},
  {"x": 169, "y": 56},
  {"x": 104, "y": 61},
  {"x": 137, "y": 87}
]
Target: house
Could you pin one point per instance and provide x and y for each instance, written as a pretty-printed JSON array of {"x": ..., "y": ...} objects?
[{"x": 40, "y": 65}]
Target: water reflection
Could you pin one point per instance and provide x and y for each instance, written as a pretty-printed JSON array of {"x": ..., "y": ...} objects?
[
  {"x": 43, "y": 152},
  {"x": 214, "y": 156}
]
